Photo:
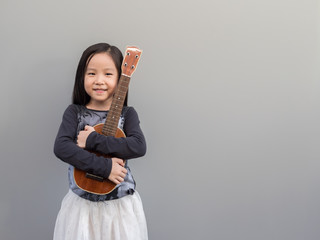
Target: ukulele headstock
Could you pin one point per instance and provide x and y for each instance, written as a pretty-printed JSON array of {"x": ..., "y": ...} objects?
[{"x": 130, "y": 61}]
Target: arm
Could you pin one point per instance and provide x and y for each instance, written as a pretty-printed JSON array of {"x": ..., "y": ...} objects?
[
  {"x": 67, "y": 150},
  {"x": 133, "y": 146}
]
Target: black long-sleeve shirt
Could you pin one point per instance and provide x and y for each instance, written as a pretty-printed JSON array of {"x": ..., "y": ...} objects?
[{"x": 133, "y": 145}]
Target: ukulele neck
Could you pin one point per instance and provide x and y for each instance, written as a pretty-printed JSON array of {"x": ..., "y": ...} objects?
[{"x": 111, "y": 123}]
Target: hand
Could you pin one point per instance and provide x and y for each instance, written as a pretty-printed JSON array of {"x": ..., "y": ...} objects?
[
  {"x": 83, "y": 135},
  {"x": 118, "y": 172}
]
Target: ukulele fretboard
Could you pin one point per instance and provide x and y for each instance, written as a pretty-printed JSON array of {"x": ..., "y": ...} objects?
[{"x": 111, "y": 124}]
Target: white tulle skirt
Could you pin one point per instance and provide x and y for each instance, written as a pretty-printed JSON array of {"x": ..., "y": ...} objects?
[{"x": 119, "y": 219}]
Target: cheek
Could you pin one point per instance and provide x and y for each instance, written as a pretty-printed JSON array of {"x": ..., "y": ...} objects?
[
  {"x": 87, "y": 85},
  {"x": 113, "y": 83}
]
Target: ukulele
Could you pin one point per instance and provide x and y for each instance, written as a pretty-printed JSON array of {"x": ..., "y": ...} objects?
[{"x": 96, "y": 184}]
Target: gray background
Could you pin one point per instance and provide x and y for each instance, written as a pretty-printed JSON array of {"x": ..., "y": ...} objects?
[{"x": 228, "y": 95}]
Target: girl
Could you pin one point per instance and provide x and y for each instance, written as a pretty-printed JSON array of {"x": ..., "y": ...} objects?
[{"x": 83, "y": 215}]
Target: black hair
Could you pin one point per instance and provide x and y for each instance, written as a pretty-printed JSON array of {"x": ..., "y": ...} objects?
[{"x": 79, "y": 95}]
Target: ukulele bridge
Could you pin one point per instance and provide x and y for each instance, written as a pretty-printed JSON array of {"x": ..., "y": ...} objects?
[{"x": 94, "y": 177}]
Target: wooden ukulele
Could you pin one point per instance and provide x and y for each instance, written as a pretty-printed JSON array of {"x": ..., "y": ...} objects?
[{"x": 96, "y": 184}]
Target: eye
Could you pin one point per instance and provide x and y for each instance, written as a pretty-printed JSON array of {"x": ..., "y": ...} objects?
[
  {"x": 91, "y": 73},
  {"x": 109, "y": 74}
]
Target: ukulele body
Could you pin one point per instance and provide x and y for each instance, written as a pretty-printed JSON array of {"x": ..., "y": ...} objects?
[{"x": 91, "y": 183}]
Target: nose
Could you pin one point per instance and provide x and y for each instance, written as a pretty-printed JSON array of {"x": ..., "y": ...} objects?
[{"x": 99, "y": 79}]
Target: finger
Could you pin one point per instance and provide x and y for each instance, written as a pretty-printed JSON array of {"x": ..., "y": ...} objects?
[
  {"x": 120, "y": 179},
  {"x": 120, "y": 162},
  {"x": 115, "y": 181},
  {"x": 122, "y": 170},
  {"x": 81, "y": 133}
]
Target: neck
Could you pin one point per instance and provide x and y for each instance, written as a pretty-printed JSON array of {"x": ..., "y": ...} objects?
[{"x": 100, "y": 106}]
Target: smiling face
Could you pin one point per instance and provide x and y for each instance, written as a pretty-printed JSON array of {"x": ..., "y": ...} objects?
[{"x": 100, "y": 81}]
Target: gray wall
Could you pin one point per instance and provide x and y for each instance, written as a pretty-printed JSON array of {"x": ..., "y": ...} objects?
[{"x": 228, "y": 94}]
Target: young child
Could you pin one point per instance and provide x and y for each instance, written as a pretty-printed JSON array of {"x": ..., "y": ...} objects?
[{"x": 83, "y": 215}]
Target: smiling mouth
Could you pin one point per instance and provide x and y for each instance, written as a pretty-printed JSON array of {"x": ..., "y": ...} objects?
[{"x": 98, "y": 90}]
